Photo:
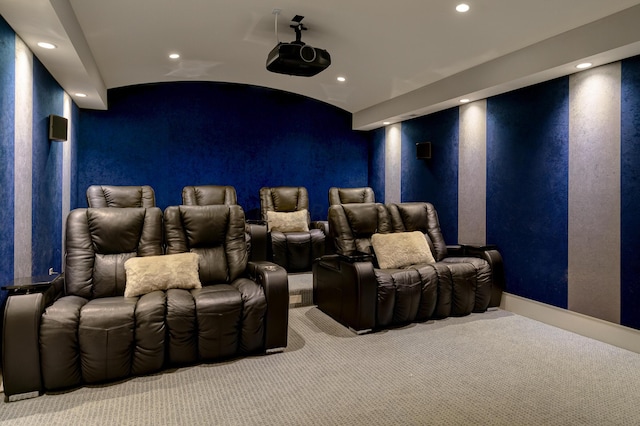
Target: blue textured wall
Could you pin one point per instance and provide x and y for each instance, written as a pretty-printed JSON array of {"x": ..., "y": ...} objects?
[
  {"x": 194, "y": 133},
  {"x": 376, "y": 164},
  {"x": 7, "y": 111},
  {"x": 630, "y": 193},
  {"x": 527, "y": 186},
  {"x": 47, "y": 174},
  {"x": 434, "y": 180}
]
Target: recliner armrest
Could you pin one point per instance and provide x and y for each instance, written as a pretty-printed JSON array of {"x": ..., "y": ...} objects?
[
  {"x": 490, "y": 253},
  {"x": 275, "y": 283},
  {"x": 20, "y": 338}
]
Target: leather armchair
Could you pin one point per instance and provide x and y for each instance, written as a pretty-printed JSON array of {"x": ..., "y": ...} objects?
[
  {"x": 351, "y": 288},
  {"x": 351, "y": 195},
  {"x": 207, "y": 195},
  {"x": 295, "y": 251},
  {"x": 83, "y": 330},
  {"x": 120, "y": 196}
]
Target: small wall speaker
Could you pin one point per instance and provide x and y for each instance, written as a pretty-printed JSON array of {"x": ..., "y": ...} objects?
[
  {"x": 423, "y": 150},
  {"x": 58, "y": 128}
]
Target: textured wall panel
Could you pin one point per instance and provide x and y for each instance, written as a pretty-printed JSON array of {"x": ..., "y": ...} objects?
[
  {"x": 376, "y": 163},
  {"x": 7, "y": 137},
  {"x": 434, "y": 180},
  {"x": 527, "y": 161},
  {"x": 393, "y": 164},
  {"x": 594, "y": 193},
  {"x": 630, "y": 194},
  {"x": 23, "y": 144},
  {"x": 472, "y": 173},
  {"x": 194, "y": 133}
]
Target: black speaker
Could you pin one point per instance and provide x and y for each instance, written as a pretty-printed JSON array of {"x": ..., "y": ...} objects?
[
  {"x": 57, "y": 128},
  {"x": 423, "y": 150}
]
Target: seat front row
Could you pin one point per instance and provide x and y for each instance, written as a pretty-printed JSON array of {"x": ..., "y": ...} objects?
[
  {"x": 84, "y": 329},
  {"x": 419, "y": 278}
]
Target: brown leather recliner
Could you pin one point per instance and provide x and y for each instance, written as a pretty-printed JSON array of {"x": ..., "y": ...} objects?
[
  {"x": 351, "y": 195},
  {"x": 295, "y": 250},
  {"x": 120, "y": 196},
  {"x": 83, "y": 330},
  {"x": 207, "y": 195},
  {"x": 352, "y": 289}
]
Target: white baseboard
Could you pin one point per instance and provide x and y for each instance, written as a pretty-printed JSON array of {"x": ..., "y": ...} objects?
[{"x": 604, "y": 331}]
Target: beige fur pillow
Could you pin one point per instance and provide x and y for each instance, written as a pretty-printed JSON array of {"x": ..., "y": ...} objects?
[
  {"x": 288, "y": 221},
  {"x": 150, "y": 273},
  {"x": 400, "y": 249}
]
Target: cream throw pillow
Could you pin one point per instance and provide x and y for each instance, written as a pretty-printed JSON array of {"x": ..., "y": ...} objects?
[
  {"x": 150, "y": 273},
  {"x": 288, "y": 221},
  {"x": 400, "y": 249}
]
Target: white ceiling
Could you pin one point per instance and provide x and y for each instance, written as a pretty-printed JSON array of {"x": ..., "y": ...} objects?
[{"x": 401, "y": 58}]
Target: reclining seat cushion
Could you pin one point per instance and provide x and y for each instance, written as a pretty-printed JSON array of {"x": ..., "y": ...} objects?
[
  {"x": 352, "y": 225},
  {"x": 77, "y": 331},
  {"x": 120, "y": 196},
  {"x": 408, "y": 217},
  {"x": 203, "y": 195},
  {"x": 226, "y": 315},
  {"x": 99, "y": 241}
]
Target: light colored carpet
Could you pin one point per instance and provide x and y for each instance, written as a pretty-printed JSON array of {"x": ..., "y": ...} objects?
[{"x": 494, "y": 368}]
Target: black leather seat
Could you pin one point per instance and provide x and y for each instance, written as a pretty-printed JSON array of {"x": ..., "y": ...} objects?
[
  {"x": 355, "y": 291},
  {"x": 120, "y": 196},
  {"x": 208, "y": 195},
  {"x": 294, "y": 250},
  {"x": 84, "y": 330},
  {"x": 351, "y": 195}
]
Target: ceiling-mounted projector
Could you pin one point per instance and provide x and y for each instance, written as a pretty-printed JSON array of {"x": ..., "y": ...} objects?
[{"x": 296, "y": 57}]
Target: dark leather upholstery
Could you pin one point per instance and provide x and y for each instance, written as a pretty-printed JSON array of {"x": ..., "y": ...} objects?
[
  {"x": 351, "y": 195},
  {"x": 83, "y": 330},
  {"x": 351, "y": 288},
  {"x": 207, "y": 195},
  {"x": 295, "y": 251},
  {"x": 120, "y": 196}
]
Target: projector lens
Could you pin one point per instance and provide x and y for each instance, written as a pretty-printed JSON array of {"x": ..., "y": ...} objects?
[{"x": 308, "y": 53}]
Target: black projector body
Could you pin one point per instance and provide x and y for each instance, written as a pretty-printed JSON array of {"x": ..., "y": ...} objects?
[{"x": 297, "y": 59}]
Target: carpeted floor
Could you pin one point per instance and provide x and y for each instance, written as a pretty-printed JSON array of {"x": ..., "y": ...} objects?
[{"x": 495, "y": 368}]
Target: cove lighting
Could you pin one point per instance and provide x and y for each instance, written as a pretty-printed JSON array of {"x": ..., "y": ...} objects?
[
  {"x": 462, "y": 7},
  {"x": 584, "y": 65},
  {"x": 46, "y": 45}
]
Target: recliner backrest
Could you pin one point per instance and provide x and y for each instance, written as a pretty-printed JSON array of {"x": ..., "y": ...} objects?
[
  {"x": 99, "y": 241},
  {"x": 216, "y": 233},
  {"x": 205, "y": 195},
  {"x": 283, "y": 199},
  {"x": 351, "y": 195},
  {"x": 408, "y": 217},
  {"x": 120, "y": 196},
  {"x": 352, "y": 225}
]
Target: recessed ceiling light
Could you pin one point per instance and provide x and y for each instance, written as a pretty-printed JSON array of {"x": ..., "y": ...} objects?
[
  {"x": 465, "y": 100},
  {"x": 46, "y": 45},
  {"x": 341, "y": 79},
  {"x": 584, "y": 65},
  {"x": 174, "y": 56},
  {"x": 386, "y": 123},
  {"x": 462, "y": 7},
  {"x": 81, "y": 95}
]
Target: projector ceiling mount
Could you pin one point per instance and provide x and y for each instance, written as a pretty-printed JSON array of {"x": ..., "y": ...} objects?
[{"x": 296, "y": 57}]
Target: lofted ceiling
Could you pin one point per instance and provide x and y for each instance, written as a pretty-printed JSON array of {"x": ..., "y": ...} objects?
[{"x": 400, "y": 59}]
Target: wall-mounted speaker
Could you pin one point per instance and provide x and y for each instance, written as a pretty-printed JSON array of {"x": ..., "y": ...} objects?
[
  {"x": 423, "y": 150},
  {"x": 58, "y": 128}
]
